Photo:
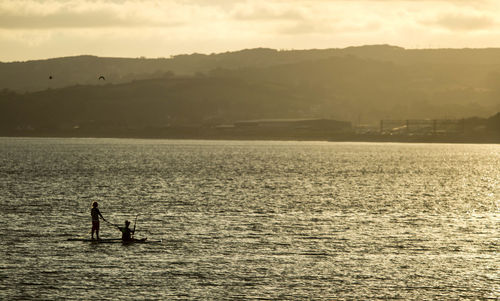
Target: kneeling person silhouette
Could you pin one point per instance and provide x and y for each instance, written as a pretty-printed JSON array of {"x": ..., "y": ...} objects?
[{"x": 126, "y": 232}]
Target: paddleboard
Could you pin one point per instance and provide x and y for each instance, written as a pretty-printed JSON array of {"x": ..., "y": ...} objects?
[{"x": 114, "y": 240}]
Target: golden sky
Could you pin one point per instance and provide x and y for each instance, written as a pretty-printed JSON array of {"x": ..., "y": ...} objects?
[{"x": 34, "y": 29}]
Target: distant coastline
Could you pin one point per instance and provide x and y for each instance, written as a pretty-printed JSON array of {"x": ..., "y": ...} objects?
[
  {"x": 201, "y": 133},
  {"x": 372, "y": 93}
]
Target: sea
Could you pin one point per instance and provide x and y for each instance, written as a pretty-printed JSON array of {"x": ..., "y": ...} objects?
[{"x": 249, "y": 220}]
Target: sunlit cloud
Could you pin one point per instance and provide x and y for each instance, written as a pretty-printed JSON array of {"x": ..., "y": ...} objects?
[
  {"x": 463, "y": 22},
  {"x": 89, "y": 14},
  {"x": 267, "y": 11},
  {"x": 33, "y": 28}
]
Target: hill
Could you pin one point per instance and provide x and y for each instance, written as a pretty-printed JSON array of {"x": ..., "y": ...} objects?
[
  {"x": 356, "y": 84},
  {"x": 468, "y": 66},
  {"x": 158, "y": 102}
]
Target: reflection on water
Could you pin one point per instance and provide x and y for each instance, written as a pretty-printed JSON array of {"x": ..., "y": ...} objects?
[{"x": 250, "y": 220}]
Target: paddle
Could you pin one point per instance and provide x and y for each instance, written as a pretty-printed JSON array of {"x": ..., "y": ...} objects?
[
  {"x": 135, "y": 222},
  {"x": 112, "y": 224},
  {"x": 118, "y": 227}
]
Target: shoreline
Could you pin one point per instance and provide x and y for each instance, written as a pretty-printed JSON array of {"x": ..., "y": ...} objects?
[{"x": 203, "y": 134}]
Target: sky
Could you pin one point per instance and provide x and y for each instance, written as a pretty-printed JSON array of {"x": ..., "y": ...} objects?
[{"x": 38, "y": 29}]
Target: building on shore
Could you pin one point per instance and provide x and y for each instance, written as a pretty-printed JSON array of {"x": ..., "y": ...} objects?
[{"x": 306, "y": 124}]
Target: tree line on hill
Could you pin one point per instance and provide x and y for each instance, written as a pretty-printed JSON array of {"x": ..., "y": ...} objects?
[{"x": 356, "y": 84}]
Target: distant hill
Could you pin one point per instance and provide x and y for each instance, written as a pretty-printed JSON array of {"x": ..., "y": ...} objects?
[
  {"x": 159, "y": 102},
  {"x": 471, "y": 66},
  {"x": 85, "y": 70},
  {"x": 356, "y": 84}
]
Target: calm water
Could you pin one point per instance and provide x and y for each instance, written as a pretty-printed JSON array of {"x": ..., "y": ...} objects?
[{"x": 250, "y": 220}]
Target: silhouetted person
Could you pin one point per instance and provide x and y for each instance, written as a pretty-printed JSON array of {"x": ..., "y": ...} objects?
[
  {"x": 126, "y": 232},
  {"x": 95, "y": 213}
]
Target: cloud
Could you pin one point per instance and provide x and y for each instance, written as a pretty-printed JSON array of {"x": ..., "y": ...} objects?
[
  {"x": 305, "y": 28},
  {"x": 63, "y": 19},
  {"x": 53, "y": 14},
  {"x": 463, "y": 22},
  {"x": 48, "y": 28},
  {"x": 59, "y": 14},
  {"x": 267, "y": 11}
]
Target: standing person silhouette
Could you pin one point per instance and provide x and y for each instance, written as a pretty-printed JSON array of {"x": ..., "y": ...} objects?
[{"x": 95, "y": 213}]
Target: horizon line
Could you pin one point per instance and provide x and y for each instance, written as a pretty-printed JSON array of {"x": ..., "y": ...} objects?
[{"x": 172, "y": 56}]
